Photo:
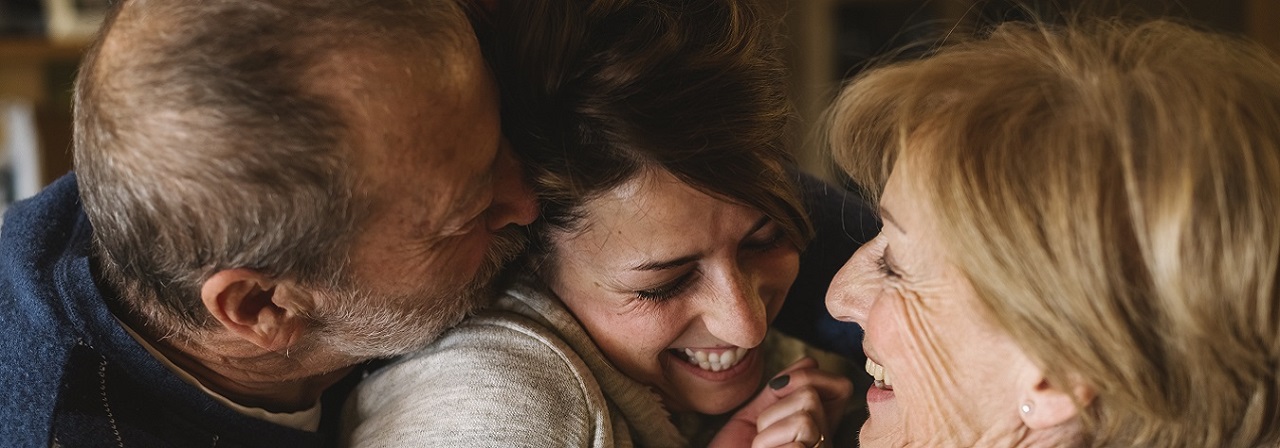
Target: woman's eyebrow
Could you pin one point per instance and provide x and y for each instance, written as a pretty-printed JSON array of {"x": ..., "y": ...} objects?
[
  {"x": 888, "y": 217},
  {"x": 664, "y": 265},
  {"x": 760, "y": 223}
]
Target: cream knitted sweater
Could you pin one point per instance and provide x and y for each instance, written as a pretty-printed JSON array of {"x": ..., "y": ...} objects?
[{"x": 523, "y": 373}]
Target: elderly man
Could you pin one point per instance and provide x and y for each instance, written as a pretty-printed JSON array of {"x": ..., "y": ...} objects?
[{"x": 266, "y": 194}]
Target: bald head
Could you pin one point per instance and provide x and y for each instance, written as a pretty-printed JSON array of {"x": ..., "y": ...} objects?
[{"x": 214, "y": 134}]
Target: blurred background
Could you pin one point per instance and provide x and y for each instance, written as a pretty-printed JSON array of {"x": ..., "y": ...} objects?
[
  {"x": 832, "y": 40},
  {"x": 828, "y": 41},
  {"x": 40, "y": 46}
]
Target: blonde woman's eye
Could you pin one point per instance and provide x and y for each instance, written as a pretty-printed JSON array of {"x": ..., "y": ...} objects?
[{"x": 885, "y": 268}]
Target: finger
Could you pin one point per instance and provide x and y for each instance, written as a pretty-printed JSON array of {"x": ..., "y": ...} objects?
[
  {"x": 830, "y": 386},
  {"x": 834, "y": 391},
  {"x": 795, "y": 430},
  {"x": 802, "y": 401},
  {"x": 751, "y": 411},
  {"x": 790, "y": 444}
]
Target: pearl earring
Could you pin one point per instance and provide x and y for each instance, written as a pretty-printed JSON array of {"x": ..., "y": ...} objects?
[{"x": 1026, "y": 408}]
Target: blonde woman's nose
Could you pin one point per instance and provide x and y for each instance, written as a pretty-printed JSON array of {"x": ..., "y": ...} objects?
[{"x": 855, "y": 287}]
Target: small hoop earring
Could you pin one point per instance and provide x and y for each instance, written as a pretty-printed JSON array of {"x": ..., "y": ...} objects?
[{"x": 1026, "y": 408}]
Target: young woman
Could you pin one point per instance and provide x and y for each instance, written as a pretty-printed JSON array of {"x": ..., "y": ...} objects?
[{"x": 672, "y": 232}]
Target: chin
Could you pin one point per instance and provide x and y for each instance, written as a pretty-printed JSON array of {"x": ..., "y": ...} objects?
[
  {"x": 723, "y": 402},
  {"x": 718, "y": 407},
  {"x": 880, "y": 433}
]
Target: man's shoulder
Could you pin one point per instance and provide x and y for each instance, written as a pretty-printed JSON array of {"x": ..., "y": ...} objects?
[
  {"x": 33, "y": 356},
  {"x": 67, "y": 391},
  {"x": 104, "y": 396},
  {"x": 56, "y": 206},
  {"x": 38, "y": 235}
]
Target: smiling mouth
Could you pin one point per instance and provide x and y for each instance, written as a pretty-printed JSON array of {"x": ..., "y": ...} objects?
[
  {"x": 712, "y": 360},
  {"x": 880, "y": 374}
]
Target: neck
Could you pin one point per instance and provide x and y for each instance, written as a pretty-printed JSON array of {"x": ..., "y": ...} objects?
[{"x": 251, "y": 376}]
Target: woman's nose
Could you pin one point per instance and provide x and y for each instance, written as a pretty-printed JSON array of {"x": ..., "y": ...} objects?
[
  {"x": 513, "y": 199},
  {"x": 855, "y": 287},
  {"x": 737, "y": 315}
]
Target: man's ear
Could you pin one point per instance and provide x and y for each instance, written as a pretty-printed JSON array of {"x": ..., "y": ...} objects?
[
  {"x": 1046, "y": 406},
  {"x": 257, "y": 308}
]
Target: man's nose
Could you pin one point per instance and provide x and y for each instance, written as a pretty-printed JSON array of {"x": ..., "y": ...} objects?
[{"x": 513, "y": 200}]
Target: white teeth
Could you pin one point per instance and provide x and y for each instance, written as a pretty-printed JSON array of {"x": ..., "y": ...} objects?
[
  {"x": 713, "y": 361},
  {"x": 881, "y": 375}
]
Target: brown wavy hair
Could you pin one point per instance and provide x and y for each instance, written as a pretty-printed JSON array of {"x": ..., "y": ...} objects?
[{"x": 595, "y": 92}]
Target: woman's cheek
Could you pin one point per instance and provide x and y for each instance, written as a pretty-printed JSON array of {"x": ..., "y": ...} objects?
[{"x": 928, "y": 382}]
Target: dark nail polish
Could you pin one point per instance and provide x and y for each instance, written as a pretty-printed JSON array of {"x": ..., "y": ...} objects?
[{"x": 779, "y": 382}]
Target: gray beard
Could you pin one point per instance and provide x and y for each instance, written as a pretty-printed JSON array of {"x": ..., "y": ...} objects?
[{"x": 363, "y": 325}]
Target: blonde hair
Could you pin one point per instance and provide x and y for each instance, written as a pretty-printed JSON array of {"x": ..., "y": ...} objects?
[{"x": 1113, "y": 194}]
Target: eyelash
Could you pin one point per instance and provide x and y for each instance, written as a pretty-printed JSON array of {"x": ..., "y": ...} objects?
[
  {"x": 885, "y": 268},
  {"x": 774, "y": 240},
  {"x": 674, "y": 288},
  {"x": 667, "y": 291}
]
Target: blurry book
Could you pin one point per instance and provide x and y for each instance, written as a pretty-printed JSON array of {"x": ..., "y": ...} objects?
[{"x": 73, "y": 20}]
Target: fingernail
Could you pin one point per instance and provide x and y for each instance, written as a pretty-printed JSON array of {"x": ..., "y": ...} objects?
[{"x": 779, "y": 382}]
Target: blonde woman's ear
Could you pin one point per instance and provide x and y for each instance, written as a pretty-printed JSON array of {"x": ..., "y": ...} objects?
[{"x": 1045, "y": 406}]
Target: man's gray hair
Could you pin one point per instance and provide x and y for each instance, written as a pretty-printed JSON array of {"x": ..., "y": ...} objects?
[{"x": 213, "y": 134}]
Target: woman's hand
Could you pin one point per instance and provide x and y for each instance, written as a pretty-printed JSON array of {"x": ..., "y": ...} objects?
[{"x": 800, "y": 406}]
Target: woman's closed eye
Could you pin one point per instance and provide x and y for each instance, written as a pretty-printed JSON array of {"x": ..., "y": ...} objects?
[
  {"x": 886, "y": 267},
  {"x": 772, "y": 236},
  {"x": 669, "y": 289}
]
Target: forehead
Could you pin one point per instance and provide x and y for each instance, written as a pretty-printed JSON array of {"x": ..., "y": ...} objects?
[
  {"x": 910, "y": 230},
  {"x": 902, "y": 204},
  {"x": 655, "y": 215},
  {"x": 424, "y": 130},
  {"x": 655, "y": 199}
]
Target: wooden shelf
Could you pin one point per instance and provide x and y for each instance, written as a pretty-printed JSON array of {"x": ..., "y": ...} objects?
[
  {"x": 26, "y": 65},
  {"x": 25, "y": 62},
  {"x": 38, "y": 50}
]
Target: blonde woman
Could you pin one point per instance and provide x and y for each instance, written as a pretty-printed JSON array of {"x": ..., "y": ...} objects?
[{"x": 1080, "y": 243}]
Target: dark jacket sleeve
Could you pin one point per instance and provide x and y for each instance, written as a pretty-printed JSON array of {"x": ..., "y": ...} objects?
[{"x": 842, "y": 222}]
